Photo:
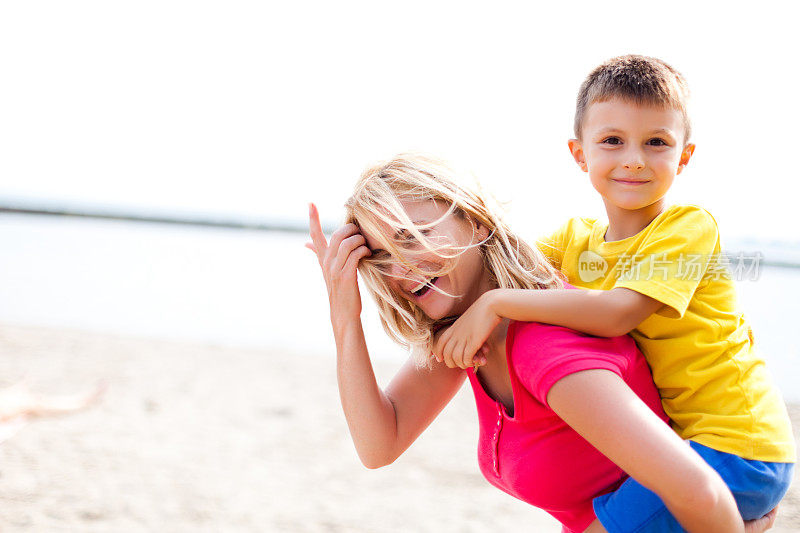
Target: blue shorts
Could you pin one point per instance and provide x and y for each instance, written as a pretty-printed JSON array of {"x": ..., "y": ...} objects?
[{"x": 757, "y": 487}]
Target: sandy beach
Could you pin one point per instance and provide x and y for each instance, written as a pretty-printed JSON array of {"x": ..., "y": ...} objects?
[{"x": 195, "y": 437}]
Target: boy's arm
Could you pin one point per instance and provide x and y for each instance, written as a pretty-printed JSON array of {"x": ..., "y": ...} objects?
[
  {"x": 602, "y": 313},
  {"x": 597, "y": 312}
]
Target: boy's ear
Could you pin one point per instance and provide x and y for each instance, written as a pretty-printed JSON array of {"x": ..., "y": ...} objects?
[
  {"x": 686, "y": 155},
  {"x": 576, "y": 149}
]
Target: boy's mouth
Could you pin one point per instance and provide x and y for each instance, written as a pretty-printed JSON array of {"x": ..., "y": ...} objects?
[
  {"x": 630, "y": 182},
  {"x": 423, "y": 288}
]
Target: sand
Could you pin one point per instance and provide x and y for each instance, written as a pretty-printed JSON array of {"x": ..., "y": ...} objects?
[{"x": 194, "y": 438}]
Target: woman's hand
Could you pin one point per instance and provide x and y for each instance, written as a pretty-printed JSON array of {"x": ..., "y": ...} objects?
[
  {"x": 382, "y": 424},
  {"x": 458, "y": 345},
  {"x": 761, "y": 524},
  {"x": 750, "y": 526},
  {"x": 339, "y": 261}
]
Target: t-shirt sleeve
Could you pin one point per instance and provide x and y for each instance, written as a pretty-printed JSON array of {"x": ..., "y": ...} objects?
[
  {"x": 673, "y": 260},
  {"x": 552, "y": 245},
  {"x": 542, "y": 354}
]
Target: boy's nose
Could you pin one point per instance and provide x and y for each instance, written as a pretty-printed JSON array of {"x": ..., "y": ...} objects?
[{"x": 634, "y": 163}]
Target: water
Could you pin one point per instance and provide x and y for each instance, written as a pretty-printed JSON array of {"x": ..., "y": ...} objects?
[
  {"x": 233, "y": 287},
  {"x": 244, "y": 288}
]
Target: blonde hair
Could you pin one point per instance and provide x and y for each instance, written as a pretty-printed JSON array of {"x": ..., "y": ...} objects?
[{"x": 377, "y": 198}]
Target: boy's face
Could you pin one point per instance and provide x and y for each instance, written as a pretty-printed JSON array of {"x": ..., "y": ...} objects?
[{"x": 631, "y": 152}]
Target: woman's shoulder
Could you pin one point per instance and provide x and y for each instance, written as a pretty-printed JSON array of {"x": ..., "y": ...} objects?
[
  {"x": 540, "y": 354},
  {"x": 542, "y": 344},
  {"x": 539, "y": 331}
]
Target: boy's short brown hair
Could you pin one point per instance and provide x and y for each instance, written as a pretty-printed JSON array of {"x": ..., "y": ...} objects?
[{"x": 638, "y": 79}]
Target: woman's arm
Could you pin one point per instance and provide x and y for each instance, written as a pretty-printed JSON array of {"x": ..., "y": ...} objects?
[
  {"x": 607, "y": 413},
  {"x": 382, "y": 424},
  {"x": 602, "y": 313}
]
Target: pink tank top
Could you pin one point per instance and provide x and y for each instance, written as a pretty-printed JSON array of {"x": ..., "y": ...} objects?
[{"x": 534, "y": 455}]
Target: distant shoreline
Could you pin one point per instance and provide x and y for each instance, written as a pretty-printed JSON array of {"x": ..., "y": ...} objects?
[
  {"x": 264, "y": 225},
  {"x": 217, "y": 222}
]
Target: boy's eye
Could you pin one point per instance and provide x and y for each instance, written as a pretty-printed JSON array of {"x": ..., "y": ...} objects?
[
  {"x": 612, "y": 140},
  {"x": 657, "y": 142}
]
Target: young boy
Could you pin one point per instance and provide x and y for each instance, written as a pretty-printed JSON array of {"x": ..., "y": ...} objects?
[{"x": 655, "y": 272}]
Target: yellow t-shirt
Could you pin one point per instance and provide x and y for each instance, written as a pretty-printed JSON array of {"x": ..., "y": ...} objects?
[{"x": 714, "y": 386}]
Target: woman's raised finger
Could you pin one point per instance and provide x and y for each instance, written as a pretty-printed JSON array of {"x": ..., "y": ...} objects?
[{"x": 315, "y": 231}]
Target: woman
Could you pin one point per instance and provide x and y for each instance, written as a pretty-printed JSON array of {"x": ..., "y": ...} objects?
[{"x": 563, "y": 416}]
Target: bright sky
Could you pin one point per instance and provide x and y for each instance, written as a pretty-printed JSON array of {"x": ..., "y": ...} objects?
[{"x": 255, "y": 108}]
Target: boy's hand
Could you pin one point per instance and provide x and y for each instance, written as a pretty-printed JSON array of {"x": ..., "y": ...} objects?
[
  {"x": 459, "y": 344},
  {"x": 480, "y": 360}
]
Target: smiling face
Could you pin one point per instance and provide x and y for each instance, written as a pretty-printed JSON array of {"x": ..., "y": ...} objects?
[
  {"x": 457, "y": 270},
  {"x": 632, "y": 153}
]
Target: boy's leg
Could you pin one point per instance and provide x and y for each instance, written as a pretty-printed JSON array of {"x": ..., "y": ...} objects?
[{"x": 757, "y": 487}]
